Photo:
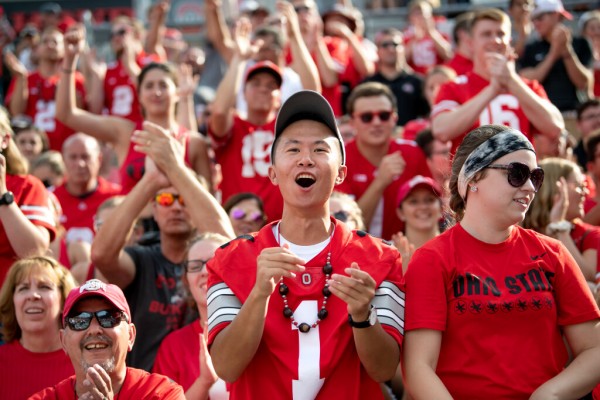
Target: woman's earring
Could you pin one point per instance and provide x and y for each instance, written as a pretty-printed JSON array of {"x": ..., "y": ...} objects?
[{"x": 473, "y": 188}]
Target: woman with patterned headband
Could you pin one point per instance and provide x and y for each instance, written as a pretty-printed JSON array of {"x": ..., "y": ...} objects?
[{"x": 488, "y": 302}]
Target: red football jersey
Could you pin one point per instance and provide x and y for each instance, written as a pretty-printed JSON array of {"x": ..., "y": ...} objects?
[
  {"x": 322, "y": 363},
  {"x": 120, "y": 93},
  {"x": 460, "y": 64},
  {"x": 361, "y": 174},
  {"x": 78, "y": 212},
  {"x": 32, "y": 198},
  {"x": 245, "y": 156},
  {"x": 41, "y": 105},
  {"x": 500, "y": 308},
  {"x": 424, "y": 55},
  {"x": 504, "y": 109}
]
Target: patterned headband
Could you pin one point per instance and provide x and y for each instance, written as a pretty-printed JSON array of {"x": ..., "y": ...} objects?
[{"x": 497, "y": 146}]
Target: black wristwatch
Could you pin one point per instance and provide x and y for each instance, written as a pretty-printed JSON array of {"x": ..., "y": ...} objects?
[
  {"x": 7, "y": 199},
  {"x": 371, "y": 320}
]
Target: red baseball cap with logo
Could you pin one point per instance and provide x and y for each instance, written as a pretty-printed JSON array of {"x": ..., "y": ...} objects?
[
  {"x": 265, "y": 66},
  {"x": 97, "y": 288},
  {"x": 417, "y": 181}
]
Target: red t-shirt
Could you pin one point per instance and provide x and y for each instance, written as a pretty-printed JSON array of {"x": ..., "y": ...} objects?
[
  {"x": 244, "y": 156},
  {"x": 460, "y": 64},
  {"x": 24, "y": 373},
  {"x": 32, "y": 198},
  {"x": 138, "y": 384},
  {"x": 78, "y": 211},
  {"x": 320, "y": 364},
  {"x": 415, "y": 126},
  {"x": 41, "y": 105},
  {"x": 504, "y": 109},
  {"x": 361, "y": 173},
  {"x": 597, "y": 78},
  {"x": 500, "y": 308}
]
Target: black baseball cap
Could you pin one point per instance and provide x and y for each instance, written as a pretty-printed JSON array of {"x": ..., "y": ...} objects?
[{"x": 307, "y": 105}]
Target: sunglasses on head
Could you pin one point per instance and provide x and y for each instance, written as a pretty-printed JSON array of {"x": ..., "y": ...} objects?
[
  {"x": 519, "y": 174},
  {"x": 106, "y": 319},
  {"x": 167, "y": 199},
  {"x": 120, "y": 32},
  {"x": 239, "y": 214},
  {"x": 341, "y": 215},
  {"x": 198, "y": 265},
  {"x": 368, "y": 116}
]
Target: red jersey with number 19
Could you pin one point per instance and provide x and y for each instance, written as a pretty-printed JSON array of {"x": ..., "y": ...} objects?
[
  {"x": 245, "y": 156},
  {"x": 504, "y": 109},
  {"x": 322, "y": 363}
]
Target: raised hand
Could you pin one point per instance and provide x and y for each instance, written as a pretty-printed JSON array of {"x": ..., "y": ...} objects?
[
  {"x": 186, "y": 79},
  {"x": 74, "y": 43},
  {"x": 560, "y": 203},
  {"x": 162, "y": 146},
  {"x": 242, "y": 39},
  {"x": 405, "y": 248},
  {"x": 15, "y": 66}
]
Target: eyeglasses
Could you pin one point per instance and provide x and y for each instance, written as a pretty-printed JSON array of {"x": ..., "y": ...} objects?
[
  {"x": 239, "y": 214},
  {"x": 193, "y": 266},
  {"x": 519, "y": 174},
  {"x": 368, "y": 116},
  {"x": 120, "y": 32},
  {"x": 390, "y": 43},
  {"x": 590, "y": 117},
  {"x": 341, "y": 215},
  {"x": 301, "y": 9},
  {"x": 167, "y": 199},
  {"x": 106, "y": 319}
]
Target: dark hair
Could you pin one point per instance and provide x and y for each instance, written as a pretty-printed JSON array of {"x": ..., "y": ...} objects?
[
  {"x": 237, "y": 198},
  {"x": 425, "y": 140},
  {"x": 370, "y": 89},
  {"x": 585, "y": 105},
  {"x": 462, "y": 23},
  {"x": 165, "y": 67},
  {"x": 473, "y": 139},
  {"x": 388, "y": 32}
]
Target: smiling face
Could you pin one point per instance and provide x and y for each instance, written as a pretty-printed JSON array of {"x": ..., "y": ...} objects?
[
  {"x": 97, "y": 345},
  {"x": 489, "y": 36},
  {"x": 158, "y": 93},
  {"x": 421, "y": 209},
  {"x": 576, "y": 189},
  {"x": 38, "y": 301},
  {"x": 307, "y": 164},
  {"x": 30, "y": 144},
  {"x": 504, "y": 204}
]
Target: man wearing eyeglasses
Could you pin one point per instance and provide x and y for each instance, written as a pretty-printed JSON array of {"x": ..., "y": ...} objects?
[
  {"x": 97, "y": 334},
  {"x": 392, "y": 71},
  {"x": 377, "y": 163},
  {"x": 151, "y": 276}
]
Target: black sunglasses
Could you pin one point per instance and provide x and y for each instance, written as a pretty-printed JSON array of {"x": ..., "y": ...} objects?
[
  {"x": 519, "y": 174},
  {"x": 368, "y": 116},
  {"x": 389, "y": 43},
  {"x": 341, "y": 215},
  {"x": 193, "y": 266},
  {"x": 106, "y": 319},
  {"x": 301, "y": 9}
]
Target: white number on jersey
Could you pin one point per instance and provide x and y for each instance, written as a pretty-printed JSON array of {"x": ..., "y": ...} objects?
[
  {"x": 256, "y": 148},
  {"x": 122, "y": 100},
  {"x": 45, "y": 112},
  {"x": 501, "y": 111},
  {"x": 309, "y": 354}
]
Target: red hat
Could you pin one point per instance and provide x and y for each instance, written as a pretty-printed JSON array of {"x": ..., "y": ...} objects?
[
  {"x": 265, "y": 66},
  {"x": 417, "y": 181},
  {"x": 95, "y": 287}
]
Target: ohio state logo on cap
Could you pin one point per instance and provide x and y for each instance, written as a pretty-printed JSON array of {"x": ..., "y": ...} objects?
[{"x": 92, "y": 285}]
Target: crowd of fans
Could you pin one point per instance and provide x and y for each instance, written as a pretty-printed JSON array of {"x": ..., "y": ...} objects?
[{"x": 132, "y": 170}]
